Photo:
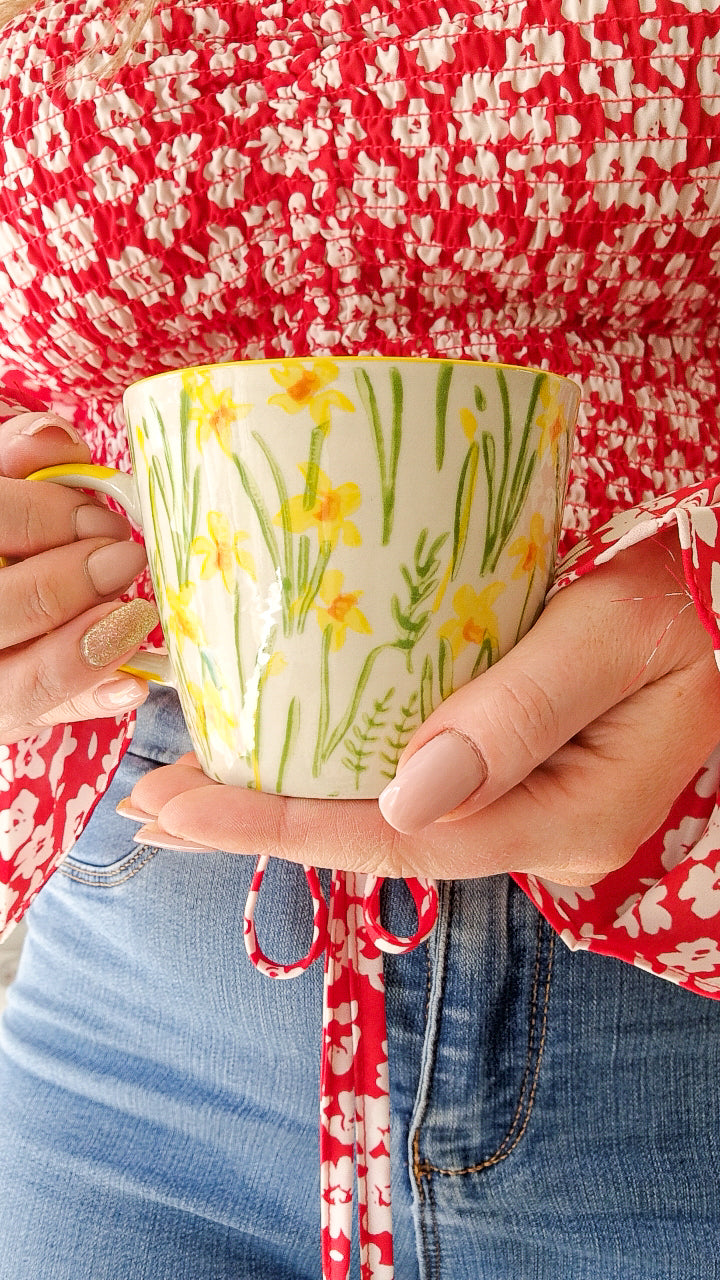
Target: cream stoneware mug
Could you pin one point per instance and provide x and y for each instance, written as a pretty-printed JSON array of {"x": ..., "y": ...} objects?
[{"x": 336, "y": 544}]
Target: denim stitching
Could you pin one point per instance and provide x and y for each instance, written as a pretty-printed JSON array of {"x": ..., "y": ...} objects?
[
  {"x": 109, "y": 877},
  {"x": 446, "y": 891},
  {"x": 425, "y": 1169}
]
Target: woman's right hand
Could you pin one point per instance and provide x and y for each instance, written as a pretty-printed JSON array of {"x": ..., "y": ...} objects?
[{"x": 65, "y": 560}]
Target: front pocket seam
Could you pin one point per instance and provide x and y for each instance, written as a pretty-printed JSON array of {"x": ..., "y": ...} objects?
[
  {"x": 109, "y": 877},
  {"x": 424, "y": 1169}
]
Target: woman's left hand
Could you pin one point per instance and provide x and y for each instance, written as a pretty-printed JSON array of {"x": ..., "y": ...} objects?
[{"x": 560, "y": 760}]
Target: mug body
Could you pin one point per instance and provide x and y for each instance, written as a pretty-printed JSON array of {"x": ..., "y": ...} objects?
[{"x": 336, "y": 544}]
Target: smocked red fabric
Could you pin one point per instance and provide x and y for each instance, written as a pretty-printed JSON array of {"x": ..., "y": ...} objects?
[{"x": 536, "y": 183}]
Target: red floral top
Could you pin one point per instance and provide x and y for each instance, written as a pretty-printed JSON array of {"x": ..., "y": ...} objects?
[{"x": 536, "y": 183}]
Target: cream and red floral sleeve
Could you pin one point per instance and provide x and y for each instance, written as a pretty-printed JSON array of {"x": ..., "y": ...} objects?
[
  {"x": 661, "y": 911},
  {"x": 49, "y": 784}
]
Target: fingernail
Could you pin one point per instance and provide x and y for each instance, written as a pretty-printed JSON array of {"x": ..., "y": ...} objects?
[
  {"x": 41, "y": 422},
  {"x": 152, "y": 834},
  {"x": 434, "y": 781},
  {"x": 99, "y": 522},
  {"x": 126, "y": 809},
  {"x": 120, "y": 695},
  {"x": 113, "y": 567},
  {"x": 107, "y": 640}
]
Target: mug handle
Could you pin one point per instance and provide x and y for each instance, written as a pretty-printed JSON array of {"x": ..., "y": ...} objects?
[{"x": 120, "y": 486}]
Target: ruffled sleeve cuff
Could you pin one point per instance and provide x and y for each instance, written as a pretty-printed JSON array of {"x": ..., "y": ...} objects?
[{"x": 661, "y": 911}]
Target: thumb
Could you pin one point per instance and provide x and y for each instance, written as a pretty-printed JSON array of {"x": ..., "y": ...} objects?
[
  {"x": 32, "y": 440},
  {"x": 585, "y": 654}
]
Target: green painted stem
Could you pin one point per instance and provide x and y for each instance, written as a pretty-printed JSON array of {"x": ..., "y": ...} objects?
[
  {"x": 442, "y": 393},
  {"x": 330, "y": 744},
  {"x": 317, "y": 438},
  {"x": 313, "y": 585}
]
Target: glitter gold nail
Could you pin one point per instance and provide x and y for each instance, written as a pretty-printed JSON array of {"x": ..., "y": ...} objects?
[{"x": 107, "y": 640}]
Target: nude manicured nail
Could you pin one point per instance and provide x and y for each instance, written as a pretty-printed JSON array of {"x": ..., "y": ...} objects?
[
  {"x": 434, "y": 781},
  {"x": 41, "y": 422},
  {"x": 99, "y": 522},
  {"x": 120, "y": 695},
  {"x": 113, "y": 567},
  {"x": 126, "y": 809},
  {"x": 107, "y": 640},
  {"x": 152, "y": 834}
]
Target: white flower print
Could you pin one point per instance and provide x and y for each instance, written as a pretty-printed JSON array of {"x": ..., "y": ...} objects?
[
  {"x": 161, "y": 207},
  {"x": 120, "y": 117},
  {"x": 76, "y": 814},
  {"x": 565, "y": 893},
  {"x": 708, "y": 73},
  {"x": 702, "y": 889},
  {"x": 14, "y": 259},
  {"x": 583, "y": 10},
  {"x": 704, "y": 524},
  {"x": 699, "y": 956},
  {"x": 225, "y": 174},
  {"x": 644, "y": 912},
  {"x": 411, "y": 130},
  {"x": 678, "y": 841},
  {"x": 16, "y": 823},
  {"x": 6, "y": 768},
  {"x": 338, "y": 1115},
  {"x": 477, "y": 109},
  {"x": 36, "y": 849},
  {"x": 113, "y": 179},
  {"x": 18, "y": 172},
  {"x": 29, "y": 762},
  {"x": 434, "y": 46},
  {"x": 339, "y": 1180},
  {"x": 340, "y": 1053},
  {"x": 375, "y": 185},
  {"x": 71, "y": 234},
  {"x": 573, "y": 942},
  {"x": 172, "y": 79},
  {"x": 49, "y": 140}
]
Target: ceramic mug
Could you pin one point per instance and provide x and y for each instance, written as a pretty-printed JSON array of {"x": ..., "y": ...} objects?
[{"x": 336, "y": 544}]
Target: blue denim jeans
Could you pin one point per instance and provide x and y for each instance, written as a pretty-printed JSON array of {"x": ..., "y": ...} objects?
[{"x": 555, "y": 1116}]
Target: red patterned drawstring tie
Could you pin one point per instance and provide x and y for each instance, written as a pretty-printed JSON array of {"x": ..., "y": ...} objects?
[{"x": 354, "y": 1084}]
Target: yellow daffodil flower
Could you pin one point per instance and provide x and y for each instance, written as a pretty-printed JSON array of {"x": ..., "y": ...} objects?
[
  {"x": 552, "y": 422},
  {"x": 475, "y": 620},
  {"x": 305, "y": 388},
  {"x": 222, "y": 550},
  {"x": 531, "y": 550},
  {"x": 182, "y": 619},
  {"x": 329, "y": 512},
  {"x": 340, "y": 611},
  {"x": 213, "y": 412},
  {"x": 211, "y": 715}
]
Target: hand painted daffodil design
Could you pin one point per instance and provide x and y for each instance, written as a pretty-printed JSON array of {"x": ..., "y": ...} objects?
[
  {"x": 182, "y": 619},
  {"x": 222, "y": 550},
  {"x": 306, "y": 387},
  {"x": 531, "y": 550},
  {"x": 552, "y": 421},
  {"x": 328, "y": 514},
  {"x": 475, "y": 621},
  {"x": 469, "y": 423},
  {"x": 140, "y": 438},
  {"x": 339, "y": 609},
  {"x": 211, "y": 715},
  {"x": 214, "y": 412}
]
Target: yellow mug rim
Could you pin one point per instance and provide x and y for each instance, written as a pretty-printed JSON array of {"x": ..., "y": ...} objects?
[{"x": 361, "y": 359}]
